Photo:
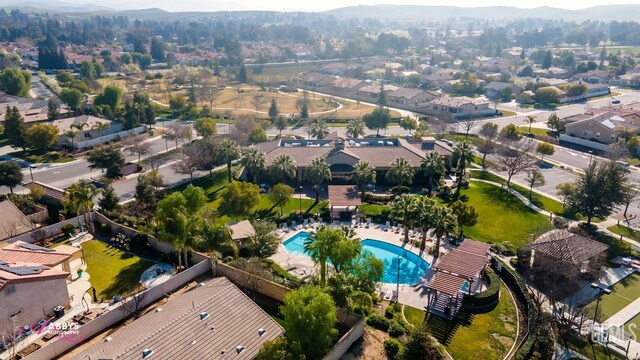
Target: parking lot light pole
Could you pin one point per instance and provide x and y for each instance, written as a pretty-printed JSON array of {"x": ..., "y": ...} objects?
[
  {"x": 300, "y": 206},
  {"x": 31, "y": 171},
  {"x": 601, "y": 290}
]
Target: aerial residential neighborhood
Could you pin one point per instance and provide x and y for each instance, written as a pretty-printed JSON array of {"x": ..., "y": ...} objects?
[{"x": 336, "y": 181}]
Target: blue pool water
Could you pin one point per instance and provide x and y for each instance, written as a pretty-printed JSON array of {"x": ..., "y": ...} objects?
[{"x": 411, "y": 265}]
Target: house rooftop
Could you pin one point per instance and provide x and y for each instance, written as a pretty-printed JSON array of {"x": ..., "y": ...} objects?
[
  {"x": 13, "y": 222},
  {"x": 241, "y": 230},
  {"x": 212, "y": 321},
  {"x": 567, "y": 247},
  {"x": 21, "y": 251}
]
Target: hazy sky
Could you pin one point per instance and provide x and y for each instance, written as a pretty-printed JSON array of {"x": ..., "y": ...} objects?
[{"x": 318, "y": 5}]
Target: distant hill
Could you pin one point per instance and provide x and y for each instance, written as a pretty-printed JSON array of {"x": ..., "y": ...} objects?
[
  {"x": 50, "y": 6},
  {"x": 426, "y": 12}
]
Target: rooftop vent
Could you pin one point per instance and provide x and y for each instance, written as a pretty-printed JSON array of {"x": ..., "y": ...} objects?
[
  {"x": 239, "y": 349},
  {"x": 107, "y": 339},
  {"x": 201, "y": 284},
  {"x": 193, "y": 342},
  {"x": 146, "y": 353},
  {"x": 158, "y": 309},
  {"x": 212, "y": 327},
  {"x": 261, "y": 331},
  {"x": 223, "y": 352},
  {"x": 203, "y": 315}
]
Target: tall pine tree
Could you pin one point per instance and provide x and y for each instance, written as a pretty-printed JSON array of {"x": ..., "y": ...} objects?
[{"x": 14, "y": 127}]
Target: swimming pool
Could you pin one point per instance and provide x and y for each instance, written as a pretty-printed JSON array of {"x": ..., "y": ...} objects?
[{"x": 412, "y": 267}]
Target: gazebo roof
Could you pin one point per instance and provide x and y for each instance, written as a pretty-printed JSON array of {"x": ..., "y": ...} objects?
[
  {"x": 567, "y": 247},
  {"x": 344, "y": 195},
  {"x": 446, "y": 283}
]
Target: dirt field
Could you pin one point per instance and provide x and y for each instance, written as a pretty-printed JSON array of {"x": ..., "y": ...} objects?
[{"x": 371, "y": 346}]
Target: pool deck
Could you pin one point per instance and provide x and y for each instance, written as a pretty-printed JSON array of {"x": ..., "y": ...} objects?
[{"x": 413, "y": 295}]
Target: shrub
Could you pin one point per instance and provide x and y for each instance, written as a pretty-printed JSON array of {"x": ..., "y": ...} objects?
[
  {"x": 377, "y": 321},
  {"x": 245, "y": 251},
  {"x": 489, "y": 296},
  {"x": 68, "y": 229},
  {"x": 375, "y": 298},
  {"x": 504, "y": 248},
  {"x": 396, "y": 330},
  {"x": 560, "y": 223},
  {"x": 228, "y": 249},
  {"x": 376, "y": 198},
  {"x": 388, "y": 312},
  {"x": 392, "y": 347},
  {"x": 399, "y": 190}
]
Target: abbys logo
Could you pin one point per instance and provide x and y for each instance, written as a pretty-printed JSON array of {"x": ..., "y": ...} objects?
[
  {"x": 67, "y": 332},
  {"x": 600, "y": 333}
]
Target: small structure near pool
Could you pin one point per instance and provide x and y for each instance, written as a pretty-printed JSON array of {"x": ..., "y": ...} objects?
[
  {"x": 457, "y": 274},
  {"x": 242, "y": 231},
  {"x": 344, "y": 201}
]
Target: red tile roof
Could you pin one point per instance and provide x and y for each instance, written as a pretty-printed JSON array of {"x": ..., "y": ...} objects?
[{"x": 15, "y": 253}]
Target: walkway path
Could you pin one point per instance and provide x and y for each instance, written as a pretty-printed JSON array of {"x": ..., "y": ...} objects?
[{"x": 623, "y": 316}]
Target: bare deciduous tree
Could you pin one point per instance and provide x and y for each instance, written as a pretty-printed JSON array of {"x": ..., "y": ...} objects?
[
  {"x": 135, "y": 145},
  {"x": 257, "y": 101},
  {"x": 134, "y": 305},
  {"x": 439, "y": 126},
  {"x": 514, "y": 158},
  {"x": 468, "y": 125},
  {"x": 192, "y": 157},
  {"x": 176, "y": 132}
]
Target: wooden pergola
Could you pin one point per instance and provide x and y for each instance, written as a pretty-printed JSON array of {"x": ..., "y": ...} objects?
[
  {"x": 343, "y": 198},
  {"x": 464, "y": 264}
]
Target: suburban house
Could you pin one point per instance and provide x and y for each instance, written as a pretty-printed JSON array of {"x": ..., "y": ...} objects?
[
  {"x": 496, "y": 64},
  {"x": 373, "y": 90},
  {"x": 565, "y": 255},
  {"x": 437, "y": 78},
  {"x": 345, "y": 83},
  {"x": 317, "y": 80},
  {"x": 88, "y": 127},
  {"x": 342, "y": 154},
  {"x": 553, "y": 72},
  {"x": 30, "y": 288},
  {"x": 460, "y": 107},
  {"x": 334, "y": 69},
  {"x": 32, "y": 110},
  {"x": 494, "y": 89},
  {"x": 212, "y": 321},
  {"x": 13, "y": 222},
  {"x": 594, "y": 77},
  {"x": 408, "y": 96},
  {"x": 59, "y": 258},
  {"x": 628, "y": 79},
  {"x": 603, "y": 128}
]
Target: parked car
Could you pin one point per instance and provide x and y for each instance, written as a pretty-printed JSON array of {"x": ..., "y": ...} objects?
[{"x": 615, "y": 101}]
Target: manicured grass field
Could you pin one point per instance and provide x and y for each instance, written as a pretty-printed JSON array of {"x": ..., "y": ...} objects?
[
  {"x": 534, "y": 130},
  {"x": 477, "y": 336},
  {"x": 36, "y": 156},
  {"x": 414, "y": 316},
  {"x": 633, "y": 325},
  {"x": 623, "y": 293},
  {"x": 502, "y": 216},
  {"x": 541, "y": 201},
  {"x": 625, "y": 231},
  {"x": 266, "y": 211},
  {"x": 112, "y": 271},
  {"x": 372, "y": 209}
]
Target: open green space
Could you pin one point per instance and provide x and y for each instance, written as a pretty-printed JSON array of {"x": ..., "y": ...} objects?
[
  {"x": 535, "y": 131},
  {"x": 487, "y": 335},
  {"x": 502, "y": 216},
  {"x": 541, "y": 201},
  {"x": 625, "y": 231},
  {"x": 373, "y": 209},
  {"x": 414, "y": 316},
  {"x": 622, "y": 294},
  {"x": 112, "y": 271},
  {"x": 590, "y": 349},
  {"x": 633, "y": 325},
  {"x": 37, "y": 156},
  {"x": 506, "y": 113},
  {"x": 266, "y": 211}
]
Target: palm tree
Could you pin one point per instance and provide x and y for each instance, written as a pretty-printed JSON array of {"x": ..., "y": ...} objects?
[
  {"x": 283, "y": 168},
  {"x": 463, "y": 154},
  {"x": 79, "y": 125},
  {"x": 80, "y": 198},
  {"x": 363, "y": 174},
  {"x": 319, "y": 129},
  {"x": 443, "y": 222},
  {"x": 355, "y": 128},
  {"x": 319, "y": 245},
  {"x": 433, "y": 166},
  {"x": 317, "y": 172},
  {"x": 403, "y": 208},
  {"x": 102, "y": 126},
  {"x": 228, "y": 151},
  {"x": 423, "y": 216},
  {"x": 400, "y": 172},
  {"x": 530, "y": 120},
  {"x": 255, "y": 161},
  {"x": 71, "y": 135}
]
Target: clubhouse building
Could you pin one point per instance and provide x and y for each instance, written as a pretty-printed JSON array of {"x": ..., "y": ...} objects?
[{"x": 342, "y": 154}]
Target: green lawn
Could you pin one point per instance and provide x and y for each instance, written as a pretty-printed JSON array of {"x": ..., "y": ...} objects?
[
  {"x": 625, "y": 231},
  {"x": 266, "y": 211},
  {"x": 478, "y": 336},
  {"x": 414, "y": 316},
  {"x": 535, "y": 131},
  {"x": 502, "y": 216},
  {"x": 623, "y": 293},
  {"x": 590, "y": 350},
  {"x": 506, "y": 113},
  {"x": 633, "y": 325},
  {"x": 38, "y": 156},
  {"x": 538, "y": 200},
  {"x": 373, "y": 209},
  {"x": 112, "y": 271}
]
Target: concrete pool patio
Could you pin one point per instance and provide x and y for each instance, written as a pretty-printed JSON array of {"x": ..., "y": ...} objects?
[{"x": 414, "y": 295}]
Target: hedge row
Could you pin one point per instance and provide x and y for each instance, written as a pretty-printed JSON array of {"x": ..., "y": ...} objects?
[{"x": 488, "y": 297}]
